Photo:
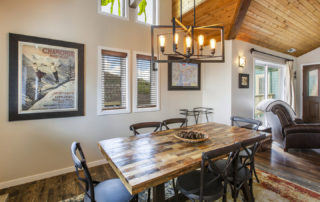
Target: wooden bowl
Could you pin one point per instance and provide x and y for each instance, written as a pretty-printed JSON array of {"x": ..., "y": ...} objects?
[{"x": 191, "y": 136}]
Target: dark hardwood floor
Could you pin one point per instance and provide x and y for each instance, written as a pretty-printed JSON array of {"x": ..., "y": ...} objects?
[{"x": 299, "y": 166}]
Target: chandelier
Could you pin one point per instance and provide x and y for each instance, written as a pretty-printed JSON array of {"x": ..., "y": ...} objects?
[{"x": 190, "y": 43}]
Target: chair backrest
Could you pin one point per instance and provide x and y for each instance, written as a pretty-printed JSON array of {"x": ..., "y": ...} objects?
[
  {"x": 254, "y": 144},
  {"x": 137, "y": 126},
  {"x": 236, "y": 120},
  {"x": 233, "y": 151},
  {"x": 80, "y": 164},
  {"x": 182, "y": 121}
]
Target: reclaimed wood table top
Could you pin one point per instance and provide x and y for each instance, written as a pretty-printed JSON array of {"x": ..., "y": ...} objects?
[{"x": 148, "y": 160}]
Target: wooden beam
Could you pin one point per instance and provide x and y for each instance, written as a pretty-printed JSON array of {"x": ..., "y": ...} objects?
[
  {"x": 134, "y": 3},
  {"x": 239, "y": 17}
]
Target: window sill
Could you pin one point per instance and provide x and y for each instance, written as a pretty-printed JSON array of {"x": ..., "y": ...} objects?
[
  {"x": 146, "y": 109},
  {"x": 125, "y": 18},
  {"x": 114, "y": 111}
]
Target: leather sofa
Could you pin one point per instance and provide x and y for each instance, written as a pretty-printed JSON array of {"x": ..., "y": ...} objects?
[{"x": 287, "y": 129}]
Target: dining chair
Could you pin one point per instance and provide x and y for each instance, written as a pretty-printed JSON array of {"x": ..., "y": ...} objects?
[
  {"x": 205, "y": 185},
  {"x": 181, "y": 121},
  {"x": 135, "y": 127},
  {"x": 251, "y": 124},
  {"x": 111, "y": 190},
  {"x": 243, "y": 178}
]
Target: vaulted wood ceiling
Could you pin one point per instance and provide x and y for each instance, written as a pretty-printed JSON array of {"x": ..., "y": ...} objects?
[{"x": 275, "y": 24}]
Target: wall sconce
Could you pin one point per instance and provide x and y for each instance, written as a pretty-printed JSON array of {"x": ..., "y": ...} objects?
[{"x": 242, "y": 61}]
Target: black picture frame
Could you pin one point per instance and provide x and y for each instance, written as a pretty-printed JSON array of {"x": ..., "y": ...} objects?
[
  {"x": 173, "y": 87},
  {"x": 243, "y": 80},
  {"x": 76, "y": 72}
]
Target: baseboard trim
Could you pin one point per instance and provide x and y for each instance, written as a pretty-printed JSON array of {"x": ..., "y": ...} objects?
[{"x": 45, "y": 175}]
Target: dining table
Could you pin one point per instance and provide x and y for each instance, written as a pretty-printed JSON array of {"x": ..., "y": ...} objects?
[{"x": 150, "y": 160}]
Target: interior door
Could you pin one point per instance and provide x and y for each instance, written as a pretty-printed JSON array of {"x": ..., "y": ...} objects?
[{"x": 311, "y": 98}]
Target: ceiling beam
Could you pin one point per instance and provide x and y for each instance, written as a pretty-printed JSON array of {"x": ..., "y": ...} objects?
[
  {"x": 134, "y": 3},
  {"x": 239, "y": 17}
]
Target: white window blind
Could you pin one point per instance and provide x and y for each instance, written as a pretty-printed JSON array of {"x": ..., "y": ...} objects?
[
  {"x": 147, "y": 83},
  {"x": 114, "y": 80}
]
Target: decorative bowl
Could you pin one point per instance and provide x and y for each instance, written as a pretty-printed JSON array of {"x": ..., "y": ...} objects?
[{"x": 191, "y": 136}]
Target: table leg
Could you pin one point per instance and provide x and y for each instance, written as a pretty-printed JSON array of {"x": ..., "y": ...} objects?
[{"x": 158, "y": 193}]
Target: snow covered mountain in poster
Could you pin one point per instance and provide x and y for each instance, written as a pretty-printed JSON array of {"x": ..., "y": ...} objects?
[{"x": 48, "y": 79}]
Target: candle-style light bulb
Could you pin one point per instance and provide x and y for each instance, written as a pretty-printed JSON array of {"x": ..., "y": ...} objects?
[
  {"x": 162, "y": 41},
  {"x": 176, "y": 38},
  {"x": 188, "y": 42},
  {"x": 201, "y": 41},
  {"x": 213, "y": 46}
]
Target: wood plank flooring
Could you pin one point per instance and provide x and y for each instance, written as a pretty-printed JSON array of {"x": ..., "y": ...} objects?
[{"x": 299, "y": 166}]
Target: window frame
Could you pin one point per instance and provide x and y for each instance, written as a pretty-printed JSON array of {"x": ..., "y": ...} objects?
[
  {"x": 100, "y": 110},
  {"x": 135, "y": 86},
  {"x": 155, "y": 14},
  {"x": 266, "y": 65},
  {"x": 126, "y": 11}
]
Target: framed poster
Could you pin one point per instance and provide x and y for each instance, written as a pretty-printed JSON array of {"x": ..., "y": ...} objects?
[
  {"x": 46, "y": 78},
  {"x": 243, "y": 80},
  {"x": 184, "y": 76}
]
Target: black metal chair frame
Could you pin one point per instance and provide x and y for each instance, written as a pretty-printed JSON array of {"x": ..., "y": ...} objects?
[
  {"x": 137, "y": 126},
  {"x": 244, "y": 163},
  {"x": 81, "y": 165},
  {"x": 183, "y": 121},
  {"x": 236, "y": 119},
  {"x": 221, "y": 175}
]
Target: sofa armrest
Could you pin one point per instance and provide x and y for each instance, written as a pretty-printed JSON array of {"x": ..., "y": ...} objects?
[{"x": 302, "y": 128}]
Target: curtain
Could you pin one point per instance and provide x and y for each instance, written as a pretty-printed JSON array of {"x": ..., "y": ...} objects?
[{"x": 289, "y": 96}]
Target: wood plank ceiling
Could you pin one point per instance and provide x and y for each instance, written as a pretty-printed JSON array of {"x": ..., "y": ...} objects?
[{"x": 275, "y": 24}]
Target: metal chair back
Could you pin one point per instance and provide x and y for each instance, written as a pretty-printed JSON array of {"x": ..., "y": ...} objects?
[
  {"x": 236, "y": 120},
  {"x": 182, "y": 121},
  {"x": 135, "y": 127},
  {"x": 207, "y": 159},
  {"x": 80, "y": 164}
]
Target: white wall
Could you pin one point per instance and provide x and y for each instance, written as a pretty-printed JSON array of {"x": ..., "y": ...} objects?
[
  {"x": 313, "y": 57},
  {"x": 217, "y": 86},
  {"x": 33, "y": 147}
]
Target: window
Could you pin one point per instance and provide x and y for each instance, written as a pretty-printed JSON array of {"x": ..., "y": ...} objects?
[
  {"x": 269, "y": 77},
  {"x": 147, "y": 12},
  {"x": 113, "y": 7},
  {"x": 146, "y": 82},
  {"x": 113, "y": 91}
]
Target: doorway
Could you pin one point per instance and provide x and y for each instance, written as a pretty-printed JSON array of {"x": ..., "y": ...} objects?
[{"x": 311, "y": 97}]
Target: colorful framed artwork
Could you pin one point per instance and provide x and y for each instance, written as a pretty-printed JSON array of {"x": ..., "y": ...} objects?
[
  {"x": 184, "y": 76},
  {"x": 46, "y": 78},
  {"x": 243, "y": 80}
]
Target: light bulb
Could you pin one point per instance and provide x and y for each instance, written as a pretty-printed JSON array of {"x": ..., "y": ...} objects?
[
  {"x": 188, "y": 42},
  {"x": 213, "y": 43},
  {"x": 201, "y": 40},
  {"x": 176, "y": 38},
  {"x": 162, "y": 40}
]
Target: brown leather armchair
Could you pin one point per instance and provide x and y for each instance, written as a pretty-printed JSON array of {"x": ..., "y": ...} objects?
[{"x": 287, "y": 130}]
